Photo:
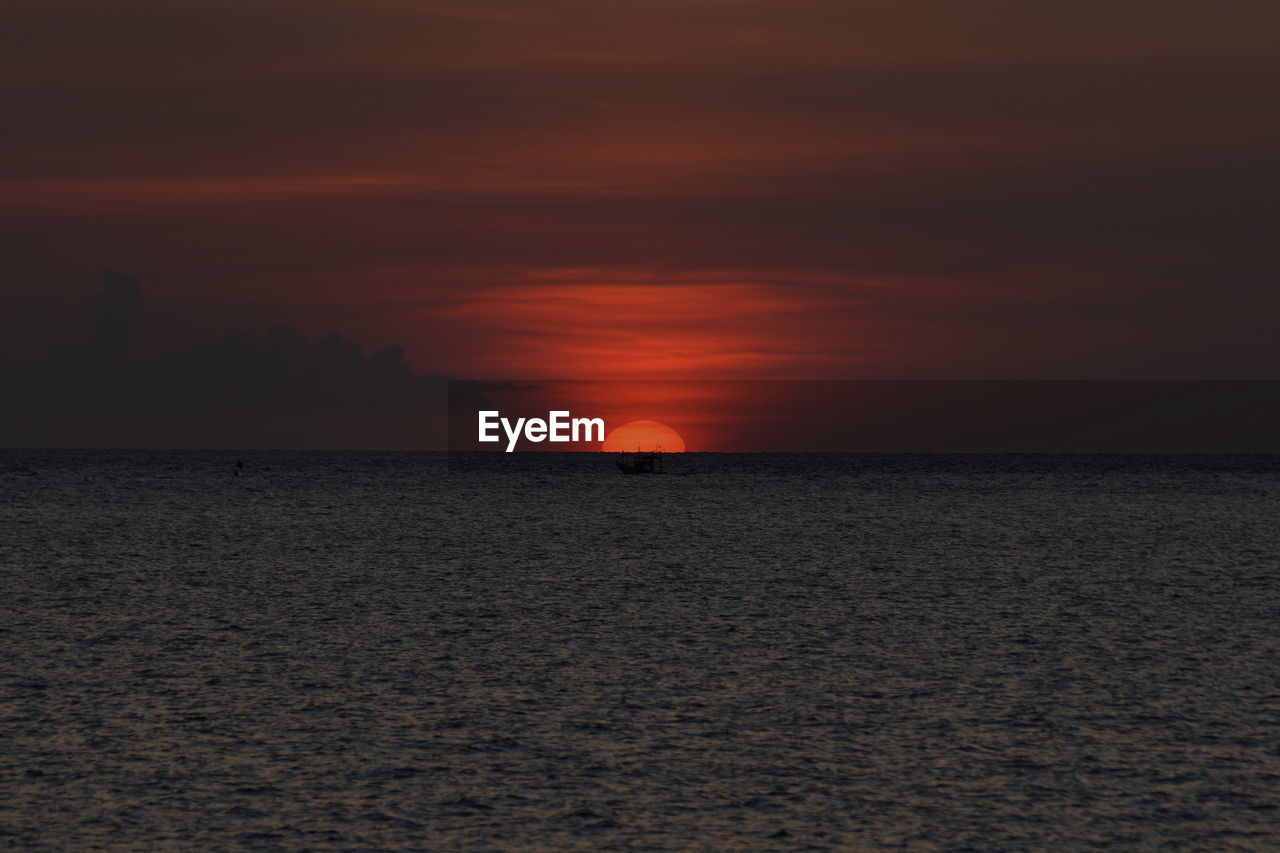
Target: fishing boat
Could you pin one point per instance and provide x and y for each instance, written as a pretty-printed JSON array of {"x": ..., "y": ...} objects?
[{"x": 640, "y": 462}]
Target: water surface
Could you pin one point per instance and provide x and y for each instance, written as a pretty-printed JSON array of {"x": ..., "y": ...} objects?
[{"x": 758, "y": 652}]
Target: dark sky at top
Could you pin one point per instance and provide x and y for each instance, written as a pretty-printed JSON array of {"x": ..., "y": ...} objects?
[{"x": 658, "y": 189}]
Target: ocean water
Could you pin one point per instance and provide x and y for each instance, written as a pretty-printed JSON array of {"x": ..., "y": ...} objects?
[{"x": 535, "y": 652}]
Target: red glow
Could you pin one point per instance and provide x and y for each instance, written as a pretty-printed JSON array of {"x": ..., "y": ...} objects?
[
  {"x": 645, "y": 437},
  {"x": 610, "y": 324}
]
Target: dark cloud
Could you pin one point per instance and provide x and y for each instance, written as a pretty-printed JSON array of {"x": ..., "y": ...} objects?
[
  {"x": 111, "y": 316},
  {"x": 239, "y": 390}
]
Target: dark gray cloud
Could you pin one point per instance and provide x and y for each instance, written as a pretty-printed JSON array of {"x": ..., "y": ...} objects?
[
  {"x": 111, "y": 316},
  {"x": 239, "y": 390}
]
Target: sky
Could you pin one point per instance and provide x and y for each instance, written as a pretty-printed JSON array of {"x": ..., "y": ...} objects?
[{"x": 652, "y": 190}]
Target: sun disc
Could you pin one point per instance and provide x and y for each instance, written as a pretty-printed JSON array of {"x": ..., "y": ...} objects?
[{"x": 643, "y": 436}]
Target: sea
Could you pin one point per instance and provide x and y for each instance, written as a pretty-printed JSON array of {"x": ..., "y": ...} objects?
[{"x": 750, "y": 652}]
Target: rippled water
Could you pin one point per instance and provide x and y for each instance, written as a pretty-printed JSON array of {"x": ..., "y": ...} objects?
[{"x": 362, "y": 651}]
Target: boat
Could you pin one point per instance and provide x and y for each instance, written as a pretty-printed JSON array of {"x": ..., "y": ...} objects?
[{"x": 640, "y": 462}]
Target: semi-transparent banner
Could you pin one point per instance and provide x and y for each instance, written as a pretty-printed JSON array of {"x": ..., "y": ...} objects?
[{"x": 863, "y": 416}]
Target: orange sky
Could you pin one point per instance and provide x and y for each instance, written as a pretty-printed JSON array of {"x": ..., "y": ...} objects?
[{"x": 657, "y": 189}]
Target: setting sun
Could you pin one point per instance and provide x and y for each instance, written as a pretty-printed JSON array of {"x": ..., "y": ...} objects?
[{"x": 643, "y": 436}]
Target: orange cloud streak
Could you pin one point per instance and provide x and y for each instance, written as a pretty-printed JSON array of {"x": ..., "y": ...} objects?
[{"x": 708, "y": 327}]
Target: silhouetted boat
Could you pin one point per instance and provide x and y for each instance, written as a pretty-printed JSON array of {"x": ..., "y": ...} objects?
[{"x": 639, "y": 463}]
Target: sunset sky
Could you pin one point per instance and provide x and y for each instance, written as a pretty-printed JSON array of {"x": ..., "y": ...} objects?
[{"x": 658, "y": 189}]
